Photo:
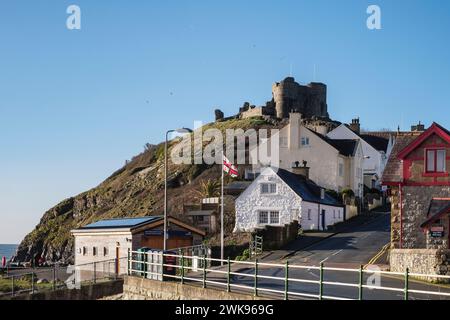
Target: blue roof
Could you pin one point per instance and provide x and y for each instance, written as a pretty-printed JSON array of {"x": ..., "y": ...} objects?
[{"x": 121, "y": 223}]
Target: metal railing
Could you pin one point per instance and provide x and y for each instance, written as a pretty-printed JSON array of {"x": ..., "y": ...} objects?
[
  {"x": 39, "y": 279},
  {"x": 173, "y": 267},
  {"x": 256, "y": 246}
]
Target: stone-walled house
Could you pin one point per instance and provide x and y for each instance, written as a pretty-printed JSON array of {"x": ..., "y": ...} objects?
[
  {"x": 417, "y": 174},
  {"x": 278, "y": 197}
]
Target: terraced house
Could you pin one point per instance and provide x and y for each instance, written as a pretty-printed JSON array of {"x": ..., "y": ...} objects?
[{"x": 418, "y": 176}]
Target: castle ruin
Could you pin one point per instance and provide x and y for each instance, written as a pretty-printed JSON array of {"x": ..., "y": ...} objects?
[{"x": 288, "y": 96}]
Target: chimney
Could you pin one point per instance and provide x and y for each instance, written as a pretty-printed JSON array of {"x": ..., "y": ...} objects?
[
  {"x": 322, "y": 193},
  {"x": 355, "y": 126},
  {"x": 301, "y": 171},
  {"x": 419, "y": 127}
]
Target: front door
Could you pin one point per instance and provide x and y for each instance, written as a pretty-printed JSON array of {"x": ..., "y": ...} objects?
[{"x": 323, "y": 220}]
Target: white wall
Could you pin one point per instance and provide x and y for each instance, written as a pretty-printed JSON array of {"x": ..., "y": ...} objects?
[
  {"x": 251, "y": 201},
  {"x": 333, "y": 215},
  {"x": 377, "y": 160},
  {"x": 286, "y": 201}
]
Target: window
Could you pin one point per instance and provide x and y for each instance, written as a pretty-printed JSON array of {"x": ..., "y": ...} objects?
[
  {"x": 341, "y": 169},
  {"x": 304, "y": 142},
  {"x": 274, "y": 217},
  {"x": 283, "y": 142},
  {"x": 263, "y": 217},
  {"x": 85, "y": 251},
  {"x": 269, "y": 217},
  {"x": 334, "y": 214},
  {"x": 435, "y": 161},
  {"x": 94, "y": 251},
  {"x": 309, "y": 214},
  {"x": 268, "y": 188},
  {"x": 105, "y": 251}
]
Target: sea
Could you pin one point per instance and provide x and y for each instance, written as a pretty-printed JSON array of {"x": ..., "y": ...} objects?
[{"x": 7, "y": 250}]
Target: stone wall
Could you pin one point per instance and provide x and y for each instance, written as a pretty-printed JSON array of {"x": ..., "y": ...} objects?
[
  {"x": 136, "y": 288},
  {"x": 416, "y": 202},
  {"x": 275, "y": 237},
  {"x": 423, "y": 261}
]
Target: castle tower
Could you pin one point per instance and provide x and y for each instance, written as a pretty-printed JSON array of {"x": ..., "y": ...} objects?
[{"x": 310, "y": 100}]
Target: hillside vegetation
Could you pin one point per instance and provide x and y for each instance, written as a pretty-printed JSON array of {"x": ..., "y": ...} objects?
[{"x": 136, "y": 189}]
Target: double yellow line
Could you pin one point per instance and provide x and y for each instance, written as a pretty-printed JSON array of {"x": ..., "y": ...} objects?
[{"x": 378, "y": 255}]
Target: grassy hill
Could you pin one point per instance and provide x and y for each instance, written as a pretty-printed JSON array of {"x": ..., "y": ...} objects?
[{"x": 136, "y": 189}]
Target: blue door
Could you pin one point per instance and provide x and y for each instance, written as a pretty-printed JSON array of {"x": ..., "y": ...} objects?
[{"x": 323, "y": 220}]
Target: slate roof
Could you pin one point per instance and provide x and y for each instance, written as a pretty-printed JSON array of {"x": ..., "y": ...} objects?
[
  {"x": 438, "y": 207},
  {"x": 121, "y": 223},
  {"x": 393, "y": 171},
  {"x": 346, "y": 147},
  {"x": 305, "y": 188},
  {"x": 379, "y": 143}
]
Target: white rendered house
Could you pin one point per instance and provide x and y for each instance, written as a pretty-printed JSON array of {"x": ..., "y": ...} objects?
[
  {"x": 376, "y": 151},
  {"x": 277, "y": 197}
]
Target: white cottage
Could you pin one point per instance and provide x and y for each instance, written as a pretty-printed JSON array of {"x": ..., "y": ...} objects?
[{"x": 277, "y": 197}]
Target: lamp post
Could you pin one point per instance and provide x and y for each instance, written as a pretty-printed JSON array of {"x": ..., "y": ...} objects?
[{"x": 182, "y": 130}]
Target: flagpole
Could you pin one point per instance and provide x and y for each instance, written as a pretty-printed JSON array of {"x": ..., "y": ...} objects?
[{"x": 221, "y": 215}]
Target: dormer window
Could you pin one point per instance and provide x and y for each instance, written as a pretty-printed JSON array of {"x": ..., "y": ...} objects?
[{"x": 435, "y": 160}]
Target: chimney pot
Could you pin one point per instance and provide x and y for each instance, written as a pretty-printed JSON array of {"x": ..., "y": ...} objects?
[{"x": 301, "y": 171}]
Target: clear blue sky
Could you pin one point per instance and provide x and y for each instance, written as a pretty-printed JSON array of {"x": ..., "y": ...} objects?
[{"x": 76, "y": 104}]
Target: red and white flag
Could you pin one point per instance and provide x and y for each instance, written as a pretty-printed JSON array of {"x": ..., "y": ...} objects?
[{"x": 229, "y": 168}]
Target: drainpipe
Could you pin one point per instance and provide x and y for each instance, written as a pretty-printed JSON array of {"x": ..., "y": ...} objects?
[
  {"x": 318, "y": 216},
  {"x": 401, "y": 214}
]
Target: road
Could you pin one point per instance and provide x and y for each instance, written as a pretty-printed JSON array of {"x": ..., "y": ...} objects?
[{"x": 348, "y": 249}]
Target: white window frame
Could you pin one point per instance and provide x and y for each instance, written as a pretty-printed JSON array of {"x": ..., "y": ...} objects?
[
  {"x": 266, "y": 212},
  {"x": 271, "y": 188},
  {"x": 309, "y": 214},
  {"x": 274, "y": 213},
  {"x": 304, "y": 142}
]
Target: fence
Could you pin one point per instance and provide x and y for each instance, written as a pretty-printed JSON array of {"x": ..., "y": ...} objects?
[
  {"x": 251, "y": 277},
  {"x": 33, "y": 280}
]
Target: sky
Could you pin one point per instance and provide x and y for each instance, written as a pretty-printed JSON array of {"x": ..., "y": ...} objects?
[{"x": 75, "y": 104}]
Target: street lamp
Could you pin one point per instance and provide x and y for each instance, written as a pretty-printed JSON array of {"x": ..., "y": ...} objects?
[{"x": 182, "y": 130}]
